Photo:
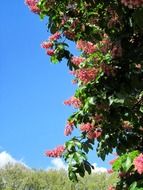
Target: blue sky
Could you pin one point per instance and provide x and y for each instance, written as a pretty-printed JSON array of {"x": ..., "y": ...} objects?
[{"x": 32, "y": 90}]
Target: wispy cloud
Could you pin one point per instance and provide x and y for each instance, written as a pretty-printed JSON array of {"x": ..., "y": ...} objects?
[
  {"x": 6, "y": 158},
  {"x": 98, "y": 169},
  {"x": 57, "y": 163}
]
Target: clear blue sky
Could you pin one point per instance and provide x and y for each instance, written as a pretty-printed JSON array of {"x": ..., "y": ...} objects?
[{"x": 32, "y": 90}]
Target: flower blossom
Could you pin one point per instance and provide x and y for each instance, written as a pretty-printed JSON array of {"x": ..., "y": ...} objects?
[
  {"x": 68, "y": 128},
  {"x": 109, "y": 171},
  {"x": 32, "y": 4},
  {"x": 86, "y": 46},
  {"x": 50, "y": 52},
  {"x": 92, "y": 132},
  {"x": 86, "y": 127},
  {"x": 75, "y": 102},
  {"x": 46, "y": 45},
  {"x": 112, "y": 161},
  {"x": 77, "y": 60},
  {"x": 116, "y": 51},
  {"x": 55, "y": 36},
  {"x": 111, "y": 188},
  {"x": 138, "y": 163},
  {"x": 85, "y": 74},
  {"x": 132, "y": 3},
  {"x": 57, "y": 152}
]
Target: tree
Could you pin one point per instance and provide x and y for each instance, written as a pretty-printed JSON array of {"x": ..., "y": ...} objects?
[
  {"x": 17, "y": 177},
  {"x": 109, "y": 75}
]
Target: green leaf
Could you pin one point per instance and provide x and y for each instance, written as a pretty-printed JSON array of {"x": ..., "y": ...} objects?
[
  {"x": 141, "y": 108},
  {"x": 54, "y": 59},
  {"x": 133, "y": 186}
]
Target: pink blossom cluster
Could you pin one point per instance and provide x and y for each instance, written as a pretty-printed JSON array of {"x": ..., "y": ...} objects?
[
  {"x": 111, "y": 188},
  {"x": 92, "y": 133},
  {"x": 48, "y": 45},
  {"x": 86, "y": 127},
  {"x": 105, "y": 44},
  {"x": 32, "y": 4},
  {"x": 109, "y": 171},
  {"x": 85, "y": 74},
  {"x": 112, "y": 161},
  {"x": 75, "y": 102},
  {"x": 69, "y": 34},
  {"x": 132, "y": 3},
  {"x": 57, "y": 152},
  {"x": 86, "y": 46},
  {"x": 116, "y": 51},
  {"x": 55, "y": 36},
  {"x": 98, "y": 118},
  {"x": 138, "y": 163},
  {"x": 108, "y": 69},
  {"x": 68, "y": 128},
  {"x": 77, "y": 60}
]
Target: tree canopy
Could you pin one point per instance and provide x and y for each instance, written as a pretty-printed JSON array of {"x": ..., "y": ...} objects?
[
  {"x": 109, "y": 77},
  {"x": 20, "y": 178}
]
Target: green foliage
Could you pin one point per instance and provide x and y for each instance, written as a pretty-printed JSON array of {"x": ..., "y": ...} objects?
[
  {"x": 109, "y": 35},
  {"x": 20, "y": 178}
]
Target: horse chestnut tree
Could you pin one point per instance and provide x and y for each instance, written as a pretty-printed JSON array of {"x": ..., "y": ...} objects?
[{"x": 109, "y": 77}]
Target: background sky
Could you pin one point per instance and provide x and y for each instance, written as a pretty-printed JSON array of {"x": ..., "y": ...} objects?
[{"x": 32, "y": 90}]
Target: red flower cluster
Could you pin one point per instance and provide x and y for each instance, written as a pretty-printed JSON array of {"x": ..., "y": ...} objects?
[
  {"x": 111, "y": 188},
  {"x": 87, "y": 47},
  {"x": 138, "y": 163},
  {"x": 55, "y": 36},
  {"x": 32, "y": 4},
  {"x": 57, "y": 152},
  {"x": 85, "y": 74},
  {"x": 77, "y": 60},
  {"x": 116, "y": 51},
  {"x": 132, "y": 3},
  {"x": 75, "y": 102},
  {"x": 109, "y": 171},
  {"x": 68, "y": 128},
  {"x": 48, "y": 45},
  {"x": 112, "y": 161},
  {"x": 92, "y": 133},
  {"x": 108, "y": 69},
  {"x": 86, "y": 127}
]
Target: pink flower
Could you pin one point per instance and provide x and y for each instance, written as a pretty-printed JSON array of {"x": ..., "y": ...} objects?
[
  {"x": 75, "y": 102},
  {"x": 55, "y": 36},
  {"x": 86, "y": 46},
  {"x": 98, "y": 118},
  {"x": 138, "y": 163},
  {"x": 32, "y": 4},
  {"x": 50, "y": 52},
  {"x": 132, "y": 3},
  {"x": 111, "y": 188},
  {"x": 47, "y": 45},
  {"x": 116, "y": 51},
  {"x": 68, "y": 128},
  {"x": 108, "y": 69},
  {"x": 77, "y": 60},
  {"x": 86, "y": 127},
  {"x": 69, "y": 34},
  {"x": 57, "y": 152},
  {"x": 94, "y": 134},
  {"x": 109, "y": 171},
  {"x": 85, "y": 74},
  {"x": 112, "y": 161}
]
